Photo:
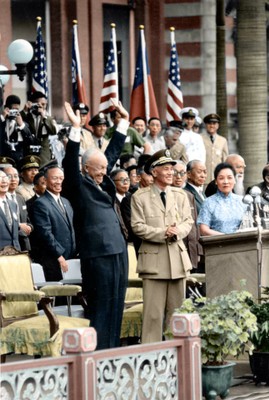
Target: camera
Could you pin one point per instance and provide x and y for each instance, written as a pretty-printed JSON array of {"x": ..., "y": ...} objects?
[
  {"x": 13, "y": 114},
  {"x": 34, "y": 149},
  {"x": 34, "y": 108}
]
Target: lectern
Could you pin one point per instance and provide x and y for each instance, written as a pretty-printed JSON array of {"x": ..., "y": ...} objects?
[{"x": 232, "y": 257}]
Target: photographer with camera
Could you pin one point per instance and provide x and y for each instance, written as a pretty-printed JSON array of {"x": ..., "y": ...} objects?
[
  {"x": 15, "y": 135},
  {"x": 41, "y": 124}
]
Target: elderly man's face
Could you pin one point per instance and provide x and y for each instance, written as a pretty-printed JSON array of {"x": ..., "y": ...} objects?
[
  {"x": 13, "y": 175},
  {"x": 163, "y": 175},
  {"x": 4, "y": 184},
  {"x": 197, "y": 175},
  {"x": 180, "y": 176},
  {"x": 96, "y": 167},
  {"x": 239, "y": 165}
]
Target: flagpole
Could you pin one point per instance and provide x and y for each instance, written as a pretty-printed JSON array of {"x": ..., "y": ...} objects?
[
  {"x": 172, "y": 35},
  {"x": 145, "y": 72},
  {"x": 75, "y": 30},
  {"x": 114, "y": 41}
]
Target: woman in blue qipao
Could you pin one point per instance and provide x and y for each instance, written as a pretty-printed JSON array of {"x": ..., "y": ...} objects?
[{"x": 224, "y": 211}]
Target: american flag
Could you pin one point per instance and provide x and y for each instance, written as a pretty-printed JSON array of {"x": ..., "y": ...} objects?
[
  {"x": 78, "y": 88},
  {"x": 143, "y": 102},
  {"x": 40, "y": 77},
  {"x": 110, "y": 85},
  {"x": 174, "y": 94}
]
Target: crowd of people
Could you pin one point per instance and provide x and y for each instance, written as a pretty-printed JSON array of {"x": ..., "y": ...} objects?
[{"x": 87, "y": 190}]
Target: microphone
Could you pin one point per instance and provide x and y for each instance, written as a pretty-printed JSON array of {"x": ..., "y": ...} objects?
[
  {"x": 247, "y": 199},
  {"x": 257, "y": 199},
  {"x": 255, "y": 191}
]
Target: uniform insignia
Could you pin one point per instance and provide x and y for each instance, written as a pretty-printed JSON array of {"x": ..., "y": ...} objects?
[{"x": 167, "y": 153}]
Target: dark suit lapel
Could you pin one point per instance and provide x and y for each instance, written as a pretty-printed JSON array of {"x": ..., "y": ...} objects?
[
  {"x": 3, "y": 216},
  {"x": 56, "y": 207}
]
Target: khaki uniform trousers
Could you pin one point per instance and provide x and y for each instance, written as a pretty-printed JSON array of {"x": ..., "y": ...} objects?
[{"x": 160, "y": 298}]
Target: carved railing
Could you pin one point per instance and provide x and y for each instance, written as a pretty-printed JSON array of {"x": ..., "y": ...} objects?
[{"x": 164, "y": 370}]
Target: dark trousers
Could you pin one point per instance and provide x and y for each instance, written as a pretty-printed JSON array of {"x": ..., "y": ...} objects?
[
  {"x": 104, "y": 281},
  {"x": 51, "y": 268}
]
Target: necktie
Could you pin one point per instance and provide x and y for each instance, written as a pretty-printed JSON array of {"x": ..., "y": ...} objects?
[
  {"x": 99, "y": 143},
  {"x": 212, "y": 138},
  {"x": 61, "y": 206},
  {"x": 163, "y": 194},
  {"x": 8, "y": 214}
]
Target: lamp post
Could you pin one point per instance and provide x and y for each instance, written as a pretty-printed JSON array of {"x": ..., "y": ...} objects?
[{"x": 20, "y": 53}]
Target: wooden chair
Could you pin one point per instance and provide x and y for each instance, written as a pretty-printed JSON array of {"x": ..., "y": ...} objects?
[{"x": 23, "y": 330}]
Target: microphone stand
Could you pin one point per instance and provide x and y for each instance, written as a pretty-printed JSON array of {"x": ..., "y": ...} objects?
[{"x": 255, "y": 192}]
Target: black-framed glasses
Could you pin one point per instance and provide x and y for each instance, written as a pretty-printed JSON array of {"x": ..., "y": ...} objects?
[
  {"x": 122, "y": 180},
  {"x": 179, "y": 173}
]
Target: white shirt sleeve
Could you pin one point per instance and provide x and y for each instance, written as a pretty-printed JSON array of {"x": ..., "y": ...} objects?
[
  {"x": 75, "y": 134},
  {"x": 123, "y": 125}
]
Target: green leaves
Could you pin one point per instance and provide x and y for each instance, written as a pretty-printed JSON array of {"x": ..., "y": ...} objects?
[{"x": 226, "y": 324}]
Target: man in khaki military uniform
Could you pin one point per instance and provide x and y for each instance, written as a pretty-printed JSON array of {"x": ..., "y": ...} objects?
[
  {"x": 28, "y": 168},
  {"x": 216, "y": 146},
  {"x": 161, "y": 217}
]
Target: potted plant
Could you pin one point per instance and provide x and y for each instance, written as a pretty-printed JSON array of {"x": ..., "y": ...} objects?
[
  {"x": 259, "y": 359},
  {"x": 226, "y": 325}
]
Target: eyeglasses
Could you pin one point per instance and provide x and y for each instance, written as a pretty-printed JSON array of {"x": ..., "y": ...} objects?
[
  {"x": 179, "y": 173},
  {"x": 4, "y": 178},
  {"x": 16, "y": 176},
  {"x": 122, "y": 180}
]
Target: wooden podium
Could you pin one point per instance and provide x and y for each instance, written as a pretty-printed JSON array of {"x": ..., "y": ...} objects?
[{"x": 232, "y": 257}]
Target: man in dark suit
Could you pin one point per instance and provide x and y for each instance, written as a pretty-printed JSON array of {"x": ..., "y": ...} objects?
[
  {"x": 52, "y": 217},
  {"x": 9, "y": 228},
  {"x": 25, "y": 226},
  {"x": 196, "y": 176},
  {"x": 103, "y": 250}
]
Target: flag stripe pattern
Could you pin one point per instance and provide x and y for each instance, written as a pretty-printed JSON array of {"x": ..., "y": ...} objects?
[
  {"x": 78, "y": 88},
  {"x": 143, "y": 102},
  {"x": 174, "y": 93},
  {"x": 110, "y": 85},
  {"x": 40, "y": 78}
]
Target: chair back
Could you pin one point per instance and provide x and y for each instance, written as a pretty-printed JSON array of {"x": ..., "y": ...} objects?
[
  {"x": 15, "y": 276},
  {"x": 38, "y": 275},
  {"x": 73, "y": 275}
]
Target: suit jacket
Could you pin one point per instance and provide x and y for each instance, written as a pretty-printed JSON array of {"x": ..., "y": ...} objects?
[
  {"x": 197, "y": 197},
  {"x": 192, "y": 239},
  {"x": 99, "y": 227},
  {"x": 9, "y": 237},
  {"x": 53, "y": 230},
  {"x": 23, "y": 218},
  {"x": 216, "y": 153},
  {"x": 161, "y": 258}
]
